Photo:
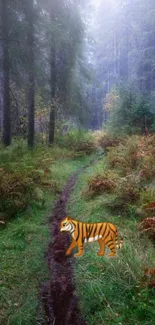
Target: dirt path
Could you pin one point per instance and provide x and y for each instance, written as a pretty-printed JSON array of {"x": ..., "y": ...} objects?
[{"x": 59, "y": 297}]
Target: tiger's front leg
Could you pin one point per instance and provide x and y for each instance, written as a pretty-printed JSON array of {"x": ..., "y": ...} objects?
[
  {"x": 72, "y": 245},
  {"x": 80, "y": 250}
]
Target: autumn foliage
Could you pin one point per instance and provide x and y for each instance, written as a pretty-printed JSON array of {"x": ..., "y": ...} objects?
[
  {"x": 147, "y": 226},
  {"x": 24, "y": 177},
  {"x": 132, "y": 161},
  {"x": 106, "y": 141},
  {"x": 102, "y": 183},
  {"x": 80, "y": 142}
]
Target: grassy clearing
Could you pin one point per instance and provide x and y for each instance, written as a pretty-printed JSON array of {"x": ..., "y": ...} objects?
[
  {"x": 24, "y": 238},
  {"x": 110, "y": 289}
]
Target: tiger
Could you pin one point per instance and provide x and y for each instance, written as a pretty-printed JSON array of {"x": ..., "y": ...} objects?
[{"x": 105, "y": 232}]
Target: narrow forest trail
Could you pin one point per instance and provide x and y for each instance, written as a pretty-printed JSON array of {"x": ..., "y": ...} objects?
[{"x": 59, "y": 299}]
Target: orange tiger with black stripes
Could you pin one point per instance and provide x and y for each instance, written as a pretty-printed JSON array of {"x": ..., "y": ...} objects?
[{"x": 105, "y": 232}]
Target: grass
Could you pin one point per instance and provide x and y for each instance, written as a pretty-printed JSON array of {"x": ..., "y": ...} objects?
[
  {"x": 25, "y": 237},
  {"x": 26, "y": 174},
  {"x": 110, "y": 289},
  {"x": 22, "y": 249}
]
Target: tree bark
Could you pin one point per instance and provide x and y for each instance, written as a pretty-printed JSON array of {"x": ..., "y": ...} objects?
[
  {"x": 53, "y": 95},
  {"x": 1, "y": 84},
  {"x": 29, "y": 10},
  {"x": 4, "y": 75}
]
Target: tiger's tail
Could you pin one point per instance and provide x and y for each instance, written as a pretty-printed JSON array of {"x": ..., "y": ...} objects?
[{"x": 118, "y": 245}]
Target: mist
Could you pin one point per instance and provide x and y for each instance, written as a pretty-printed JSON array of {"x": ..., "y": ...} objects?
[{"x": 77, "y": 162}]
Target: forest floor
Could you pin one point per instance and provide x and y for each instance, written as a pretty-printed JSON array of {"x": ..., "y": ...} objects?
[
  {"x": 25, "y": 237},
  {"x": 60, "y": 290},
  {"x": 63, "y": 290},
  {"x": 111, "y": 290},
  {"x": 59, "y": 294}
]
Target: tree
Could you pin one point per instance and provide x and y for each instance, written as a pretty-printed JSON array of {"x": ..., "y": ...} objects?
[
  {"x": 4, "y": 74},
  {"x": 29, "y": 12},
  {"x": 129, "y": 112},
  {"x": 53, "y": 94},
  {"x": 45, "y": 55},
  {"x": 62, "y": 30},
  {"x": 123, "y": 51}
]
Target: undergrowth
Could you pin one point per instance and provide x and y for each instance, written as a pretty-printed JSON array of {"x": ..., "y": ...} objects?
[
  {"x": 118, "y": 188},
  {"x": 128, "y": 174},
  {"x": 112, "y": 290},
  {"x": 25, "y": 235},
  {"x": 81, "y": 142},
  {"x": 26, "y": 174}
]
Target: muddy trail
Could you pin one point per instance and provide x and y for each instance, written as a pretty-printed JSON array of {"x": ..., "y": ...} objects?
[{"x": 59, "y": 299}]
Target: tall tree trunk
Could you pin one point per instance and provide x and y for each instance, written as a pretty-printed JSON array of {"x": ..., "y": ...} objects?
[
  {"x": 1, "y": 83},
  {"x": 4, "y": 75},
  {"x": 53, "y": 94},
  {"x": 29, "y": 10}
]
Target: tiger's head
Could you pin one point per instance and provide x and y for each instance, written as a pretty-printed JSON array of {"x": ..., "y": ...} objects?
[{"x": 66, "y": 225}]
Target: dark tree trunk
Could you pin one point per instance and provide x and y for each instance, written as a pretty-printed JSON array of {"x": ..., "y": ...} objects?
[
  {"x": 53, "y": 94},
  {"x": 4, "y": 75},
  {"x": 29, "y": 10},
  {"x": 1, "y": 84}
]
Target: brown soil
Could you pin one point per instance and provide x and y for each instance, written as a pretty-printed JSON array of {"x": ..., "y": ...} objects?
[{"x": 59, "y": 299}]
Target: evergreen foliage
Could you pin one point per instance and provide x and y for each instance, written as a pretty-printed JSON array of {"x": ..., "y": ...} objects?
[{"x": 131, "y": 113}]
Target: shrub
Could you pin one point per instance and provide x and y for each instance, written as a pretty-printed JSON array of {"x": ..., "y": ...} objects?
[
  {"x": 131, "y": 114},
  {"x": 137, "y": 153},
  {"x": 107, "y": 140},
  {"x": 150, "y": 206},
  {"x": 126, "y": 195},
  {"x": 149, "y": 278},
  {"x": 81, "y": 142},
  {"x": 102, "y": 183},
  {"x": 128, "y": 190},
  {"x": 147, "y": 196},
  {"x": 147, "y": 226},
  {"x": 86, "y": 147},
  {"x": 18, "y": 190},
  {"x": 132, "y": 167},
  {"x": 125, "y": 155},
  {"x": 24, "y": 176}
]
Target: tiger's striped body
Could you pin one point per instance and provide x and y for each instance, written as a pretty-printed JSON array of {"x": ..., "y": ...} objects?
[{"x": 106, "y": 234}]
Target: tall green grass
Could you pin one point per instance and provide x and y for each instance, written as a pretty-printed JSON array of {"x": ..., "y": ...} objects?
[
  {"x": 22, "y": 248},
  {"x": 110, "y": 289},
  {"x": 24, "y": 238}
]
